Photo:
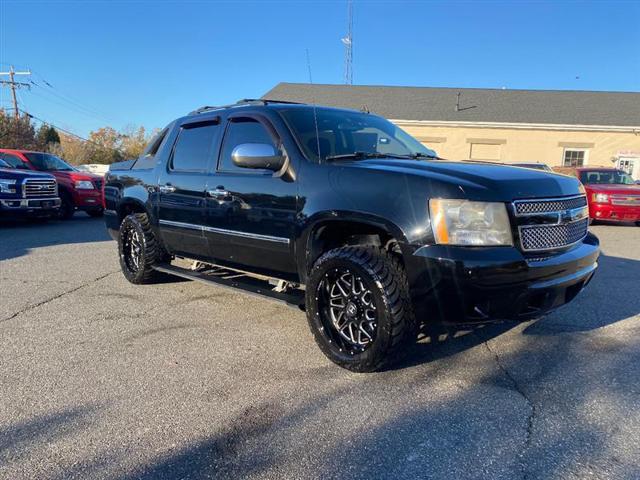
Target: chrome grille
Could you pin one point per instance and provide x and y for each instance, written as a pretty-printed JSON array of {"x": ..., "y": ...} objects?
[
  {"x": 534, "y": 207},
  {"x": 40, "y": 188},
  {"x": 546, "y": 237},
  {"x": 630, "y": 200}
]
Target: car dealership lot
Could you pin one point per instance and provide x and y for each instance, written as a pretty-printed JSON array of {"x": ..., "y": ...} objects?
[{"x": 102, "y": 379}]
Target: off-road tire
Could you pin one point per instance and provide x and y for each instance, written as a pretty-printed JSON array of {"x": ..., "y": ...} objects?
[
  {"x": 396, "y": 323},
  {"x": 151, "y": 252}
]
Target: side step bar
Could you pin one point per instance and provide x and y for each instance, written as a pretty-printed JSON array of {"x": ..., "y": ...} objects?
[{"x": 224, "y": 277}]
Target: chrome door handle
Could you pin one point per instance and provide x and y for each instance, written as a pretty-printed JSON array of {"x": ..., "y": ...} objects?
[
  {"x": 218, "y": 193},
  {"x": 167, "y": 188}
]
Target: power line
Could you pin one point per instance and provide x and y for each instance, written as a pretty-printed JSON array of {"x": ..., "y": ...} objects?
[
  {"x": 13, "y": 85},
  {"x": 30, "y": 115}
]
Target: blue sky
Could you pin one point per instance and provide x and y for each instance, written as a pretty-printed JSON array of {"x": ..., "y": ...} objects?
[{"x": 143, "y": 62}]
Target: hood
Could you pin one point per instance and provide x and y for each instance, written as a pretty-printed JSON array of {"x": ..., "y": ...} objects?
[
  {"x": 480, "y": 180},
  {"x": 18, "y": 174},
  {"x": 612, "y": 188},
  {"x": 72, "y": 176}
]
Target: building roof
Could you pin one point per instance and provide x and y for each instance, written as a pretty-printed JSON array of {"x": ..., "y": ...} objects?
[{"x": 559, "y": 107}]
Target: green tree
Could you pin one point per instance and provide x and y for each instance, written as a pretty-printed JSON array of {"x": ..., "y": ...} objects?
[
  {"x": 105, "y": 144},
  {"x": 17, "y": 132},
  {"x": 47, "y": 136}
]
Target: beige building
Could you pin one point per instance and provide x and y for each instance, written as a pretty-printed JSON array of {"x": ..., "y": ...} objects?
[{"x": 559, "y": 128}]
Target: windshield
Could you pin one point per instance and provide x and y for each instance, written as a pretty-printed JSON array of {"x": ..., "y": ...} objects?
[
  {"x": 341, "y": 132},
  {"x": 48, "y": 162},
  {"x": 13, "y": 161},
  {"x": 608, "y": 177}
]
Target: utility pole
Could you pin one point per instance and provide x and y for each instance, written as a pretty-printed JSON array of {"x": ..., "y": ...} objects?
[
  {"x": 348, "y": 48},
  {"x": 13, "y": 85}
]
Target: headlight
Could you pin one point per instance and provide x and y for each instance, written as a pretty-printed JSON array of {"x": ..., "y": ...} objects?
[
  {"x": 600, "y": 198},
  {"x": 7, "y": 185},
  {"x": 461, "y": 222},
  {"x": 83, "y": 185}
]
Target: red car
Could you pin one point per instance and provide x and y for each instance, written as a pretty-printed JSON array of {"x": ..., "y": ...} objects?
[
  {"x": 77, "y": 190},
  {"x": 613, "y": 195}
]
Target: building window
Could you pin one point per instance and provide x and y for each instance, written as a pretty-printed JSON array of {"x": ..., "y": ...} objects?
[{"x": 574, "y": 157}]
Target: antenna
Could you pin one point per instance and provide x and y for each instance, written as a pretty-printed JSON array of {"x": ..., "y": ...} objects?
[
  {"x": 313, "y": 103},
  {"x": 348, "y": 47},
  {"x": 309, "y": 67}
]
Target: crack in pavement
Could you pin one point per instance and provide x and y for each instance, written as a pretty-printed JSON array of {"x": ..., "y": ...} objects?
[
  {"x": 51, "y": 299},
  {"x": 532, "y": 408}
]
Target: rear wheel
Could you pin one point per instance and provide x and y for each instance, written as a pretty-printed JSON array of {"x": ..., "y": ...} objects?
[
  {"x": 637, "y": 224},
  {"x": 139, "y": 250},
  {"x": 358, "y": 308}
]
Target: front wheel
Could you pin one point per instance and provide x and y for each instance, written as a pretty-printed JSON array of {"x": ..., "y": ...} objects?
[
  {"x": 67, "y": 208},
  {"x": 97, "y": 212},
  {"x": 139, "y": 250},
  {"x": 359, "y": 309}
]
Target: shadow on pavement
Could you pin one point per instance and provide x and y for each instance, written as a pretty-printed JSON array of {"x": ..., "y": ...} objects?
[{"x": 18, "y": 238}]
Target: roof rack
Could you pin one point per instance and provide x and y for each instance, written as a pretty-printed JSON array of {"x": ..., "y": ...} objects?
[{"x": 239, "y": 103}]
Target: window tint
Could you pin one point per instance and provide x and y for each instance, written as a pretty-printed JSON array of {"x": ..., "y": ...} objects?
[
  {"x": 239, "y": 131},
  {"x": 13, "y": 161},
  {"x": 193, "y": 148}
]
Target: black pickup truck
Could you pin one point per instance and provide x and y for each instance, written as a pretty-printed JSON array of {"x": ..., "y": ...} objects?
[
  {"x": 26, "y": 194},
  {"x": 347, "y": 216}
]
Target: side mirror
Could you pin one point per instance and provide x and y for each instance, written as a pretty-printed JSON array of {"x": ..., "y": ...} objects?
[{"x": 257, "y": 155}]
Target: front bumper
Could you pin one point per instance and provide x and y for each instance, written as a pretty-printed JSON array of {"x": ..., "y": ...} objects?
[
  {"x": 30, "y": 206},
  {"x": 476, "y": 285},
  {"x": 88, "y": 199},
  {"x": 615, "y": 213}
]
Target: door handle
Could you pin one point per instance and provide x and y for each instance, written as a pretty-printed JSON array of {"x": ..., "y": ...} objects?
[
  {"x": 168, "y": 188},
  {"x": 218, "y": 192}
]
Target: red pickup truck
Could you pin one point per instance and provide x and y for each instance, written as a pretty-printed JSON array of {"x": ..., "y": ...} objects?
[
  {"x": 77, "y": 190},
  {"x": 612, "y": 194}
]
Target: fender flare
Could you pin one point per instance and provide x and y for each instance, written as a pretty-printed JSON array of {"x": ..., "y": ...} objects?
[{"x": 303, "y": 244}]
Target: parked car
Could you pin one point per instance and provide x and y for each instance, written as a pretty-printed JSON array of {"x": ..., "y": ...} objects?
[
  {"x": 26, "y": 194},
  {"x": 78, "y": 190},
  {"x": 347, "y": 216},
  {"x": 613, "y": 195},
  {"x": 535, "y": 166}
]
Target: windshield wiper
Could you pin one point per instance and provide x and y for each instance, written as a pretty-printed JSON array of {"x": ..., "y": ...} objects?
[
  {"x": 417, "y": 155},
  {"x": 365, "y": 155}
]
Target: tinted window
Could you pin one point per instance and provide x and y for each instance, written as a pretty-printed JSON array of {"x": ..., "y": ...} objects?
[
  {"x": 239, "y": 131},
  {"x": 13, "y": 161},
  {"x": 193, "y": 148},
  {"x": 325, "y": 132},
  {"x": 48, "y": 162},
  {"x": 606, "y": 177}
]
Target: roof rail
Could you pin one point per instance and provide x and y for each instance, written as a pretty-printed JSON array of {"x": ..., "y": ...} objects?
[{"x": 239, "y": 103}]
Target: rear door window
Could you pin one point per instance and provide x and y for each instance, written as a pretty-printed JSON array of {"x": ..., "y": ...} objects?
[{"x": 194, "y": 147}]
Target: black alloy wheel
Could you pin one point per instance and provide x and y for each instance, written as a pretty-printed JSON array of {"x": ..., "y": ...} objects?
[
  {"x": 139, "y": 250},
  {"x": 349, "y": 314},
  {"x": 359, "y": 309}
]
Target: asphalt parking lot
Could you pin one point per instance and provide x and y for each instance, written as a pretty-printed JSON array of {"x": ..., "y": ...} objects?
[{"x": 102, "y": 379}]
